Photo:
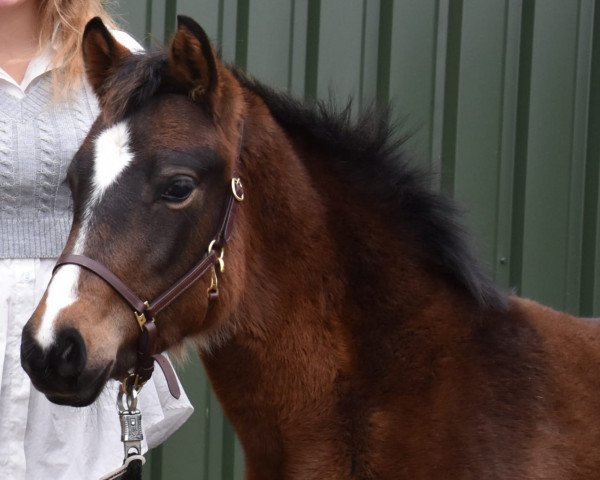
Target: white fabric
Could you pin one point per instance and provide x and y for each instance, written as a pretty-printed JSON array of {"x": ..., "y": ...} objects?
[{"x": 40, "y": 440}]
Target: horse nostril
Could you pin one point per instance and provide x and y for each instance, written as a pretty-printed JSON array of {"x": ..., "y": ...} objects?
[
  {"x": 68, "y": 355},
  {"x": 32, "y": 357}
]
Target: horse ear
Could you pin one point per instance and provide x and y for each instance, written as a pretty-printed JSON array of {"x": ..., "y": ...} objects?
[
  {"x": 192, "y": 60},
  {"x": 102, "y": 54}
]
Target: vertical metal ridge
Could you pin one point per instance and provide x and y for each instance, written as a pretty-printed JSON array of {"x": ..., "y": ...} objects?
[
  {"x": 580, "y": 115},
  {"x": 384, "y": 51},
  {"x": 507, "y": 135},
  {"x": 241, "y": 33},
  {"x": 206, "y": 453},
  {"x": 170, "y": 19},
  {"x": 239, "y": 461},
  {"x": 298, "y": 48},
  {"x": 313, "y": 30},
  {"x": 228, "y": 18},
  {"x": 156, "y": 464},
  {"x": 589, "y": 302},
  {"x": 521, "y": 141},
  {"x": 361, "y": 78},
  {"x": 148, "y": 24},
  {"x": 214, "y": 434},
  {"x": 452, "y": 77},
  {"x": 290, "y": 65},
  {"x": 221, "y": 16},
  {"x": 439, "y": 90},
  {"x": 228, "y": 447}
]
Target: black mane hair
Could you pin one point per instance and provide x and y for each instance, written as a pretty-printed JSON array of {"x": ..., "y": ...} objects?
[
  {"x": 368, "y": 153},
  {"x": 364, "y": 150}
]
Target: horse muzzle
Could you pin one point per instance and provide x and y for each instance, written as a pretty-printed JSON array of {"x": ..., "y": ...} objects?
[{"x": 59, "y": 371}]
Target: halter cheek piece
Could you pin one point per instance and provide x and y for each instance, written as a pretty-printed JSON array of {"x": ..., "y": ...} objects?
[{"x": 145, "y": 312}]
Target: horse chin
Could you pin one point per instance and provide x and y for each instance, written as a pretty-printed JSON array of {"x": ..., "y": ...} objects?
[{"x": 88, "y": 388}]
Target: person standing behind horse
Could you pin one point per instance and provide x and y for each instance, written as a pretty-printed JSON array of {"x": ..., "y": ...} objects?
[{"x": 46, "y": 109}]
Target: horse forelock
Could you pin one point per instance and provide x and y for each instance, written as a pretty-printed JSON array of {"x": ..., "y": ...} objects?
[{"x": 138, "y": 78}]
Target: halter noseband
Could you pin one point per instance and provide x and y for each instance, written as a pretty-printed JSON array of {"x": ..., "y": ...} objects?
[{"x": 146, "y": 311}]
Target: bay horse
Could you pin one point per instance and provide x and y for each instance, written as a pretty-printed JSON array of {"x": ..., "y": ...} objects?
[{"x": 354, "y": 336}]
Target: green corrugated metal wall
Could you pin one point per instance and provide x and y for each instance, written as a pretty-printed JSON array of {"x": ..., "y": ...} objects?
[{"x": 503, "y": 100}]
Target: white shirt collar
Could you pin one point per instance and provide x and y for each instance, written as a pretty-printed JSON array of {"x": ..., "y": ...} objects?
[
  {"x": 38, "y": 65},
  {"x": 42, "y": 63}
]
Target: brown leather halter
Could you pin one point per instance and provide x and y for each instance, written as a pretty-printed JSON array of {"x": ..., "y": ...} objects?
[{"x": 146, "y": 311}]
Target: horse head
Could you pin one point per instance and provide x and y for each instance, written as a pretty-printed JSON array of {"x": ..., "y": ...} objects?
[{"x": 149, "y": 186}]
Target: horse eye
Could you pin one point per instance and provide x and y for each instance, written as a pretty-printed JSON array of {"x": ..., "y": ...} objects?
[{"x": 179, "y": 189}]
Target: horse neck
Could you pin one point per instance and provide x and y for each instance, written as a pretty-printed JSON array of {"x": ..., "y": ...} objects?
[{"x": 325, "y": 286}]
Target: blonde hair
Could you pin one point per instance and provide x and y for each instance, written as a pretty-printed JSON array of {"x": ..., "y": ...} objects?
[{"x": 63, "y": 23}]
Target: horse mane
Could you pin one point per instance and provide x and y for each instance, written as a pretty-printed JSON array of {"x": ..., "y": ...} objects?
[
  {"x": 364, "y": 150},
  {"x": 369, "y": 154}
]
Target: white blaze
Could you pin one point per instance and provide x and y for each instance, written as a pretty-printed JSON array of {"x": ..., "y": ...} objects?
[
  {"x": 61, "y": 293},
  {"x": 112, "y": 155}
]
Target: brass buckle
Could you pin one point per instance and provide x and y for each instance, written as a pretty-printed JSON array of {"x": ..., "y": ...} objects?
[
  {"x": 214, "y": 282},
  {"x": 141, "y": 317}
]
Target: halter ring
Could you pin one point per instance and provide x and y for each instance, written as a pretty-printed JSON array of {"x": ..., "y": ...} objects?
[
  {"x": 128, "y": 397},
  {"x": 220, "y": 258},
  {"x": 237, "y": 189}
]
